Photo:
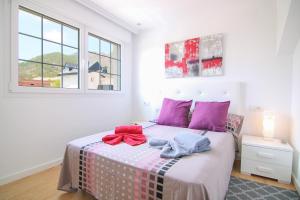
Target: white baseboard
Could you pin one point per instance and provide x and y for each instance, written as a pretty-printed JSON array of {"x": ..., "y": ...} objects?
[
  {"x": 296, "y": 183},
  {"x": 27, "y": 172}
]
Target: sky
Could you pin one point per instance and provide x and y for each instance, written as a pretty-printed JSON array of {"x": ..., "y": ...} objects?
[{"x": 30, "y": 47}]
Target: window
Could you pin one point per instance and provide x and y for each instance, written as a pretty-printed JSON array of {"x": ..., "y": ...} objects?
[
  {"x": 54, "y": 53},
  {"x": 104, "y": 64},
  {"x": 48, "y": 52}
]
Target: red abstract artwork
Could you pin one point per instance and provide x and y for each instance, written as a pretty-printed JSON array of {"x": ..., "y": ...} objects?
[
  {"x": 182, "y": 58},
  {"x": 212, "y": 55},
  {"x": 194, "y": 57}
]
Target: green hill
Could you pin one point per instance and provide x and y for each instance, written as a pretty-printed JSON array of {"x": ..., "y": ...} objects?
[{"x": 30, "y": 70}]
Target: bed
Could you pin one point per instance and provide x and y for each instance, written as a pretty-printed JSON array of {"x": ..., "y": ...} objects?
[{"x": 126, "y": 172}]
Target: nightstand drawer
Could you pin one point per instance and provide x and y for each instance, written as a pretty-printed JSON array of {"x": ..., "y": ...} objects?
[
  {"x": 282, "y": 173},
  {"x": 267, "y": 155}
]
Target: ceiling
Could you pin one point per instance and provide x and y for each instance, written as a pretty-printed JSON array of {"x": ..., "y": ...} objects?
[
  {"x": 145, "y": 14},
  {"x": 141, "y": 14}
]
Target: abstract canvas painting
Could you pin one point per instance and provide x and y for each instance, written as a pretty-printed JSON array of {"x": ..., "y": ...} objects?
[
  {"x": 211, "y": 51},
  {"x": 198, "y": 56},
  {"x": 182, "y": 58}
]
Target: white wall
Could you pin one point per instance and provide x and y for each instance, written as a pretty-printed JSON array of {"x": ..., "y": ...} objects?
[
  {"x": 295, "y": 110},
  {"x": 288, "y": 42},
  {"x": 34, "y": 128},
  {"x": 283, "y": 7},
  {"x": 249, "y": 56},
  {"x": 288, "y": 26}
]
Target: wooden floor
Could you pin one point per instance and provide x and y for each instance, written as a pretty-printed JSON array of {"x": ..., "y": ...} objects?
[{"x": 42, "y": 186}]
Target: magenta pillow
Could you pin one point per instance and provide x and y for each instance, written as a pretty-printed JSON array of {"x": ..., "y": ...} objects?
[
  {"x": 210, "y": 116},
  {"x": 174, "y": 113}
]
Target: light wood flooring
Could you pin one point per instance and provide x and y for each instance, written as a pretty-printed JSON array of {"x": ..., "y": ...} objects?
[{"x": 43, "y": 186}]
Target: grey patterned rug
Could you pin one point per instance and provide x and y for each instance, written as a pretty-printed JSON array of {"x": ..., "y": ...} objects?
[{"x": 240, "y": 189}]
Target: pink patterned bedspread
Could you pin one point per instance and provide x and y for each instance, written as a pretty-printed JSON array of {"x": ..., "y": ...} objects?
[{"x": 127, "y": 172}]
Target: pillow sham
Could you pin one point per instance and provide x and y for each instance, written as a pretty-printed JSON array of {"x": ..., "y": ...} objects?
[
  {"x": 234, "y": 124},
  {"x": 210, "y": 116},
  {"x": 174, "y": 113}
]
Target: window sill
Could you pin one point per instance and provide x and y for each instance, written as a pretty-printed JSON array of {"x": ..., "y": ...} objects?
[
  {"x": 107, "y": 92},
  {"x": 41, "y": 90}
]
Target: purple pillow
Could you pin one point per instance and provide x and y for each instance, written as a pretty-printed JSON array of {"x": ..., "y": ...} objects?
[
  {"x": 210, "y": 116},
  {"x": 174, "y": 113}
]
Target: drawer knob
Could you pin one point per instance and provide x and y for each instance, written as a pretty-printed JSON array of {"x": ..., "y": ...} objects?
[{"x": 265, "y": 155}]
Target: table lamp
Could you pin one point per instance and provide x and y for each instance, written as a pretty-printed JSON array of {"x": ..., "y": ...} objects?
[{"x": 268, "y": 125}]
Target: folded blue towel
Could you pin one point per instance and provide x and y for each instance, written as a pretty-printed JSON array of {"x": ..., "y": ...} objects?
[
  {"x": 192, "y": 142},
  {"x": 183, "y": 144},
  {"x": 157, "y": 143}
]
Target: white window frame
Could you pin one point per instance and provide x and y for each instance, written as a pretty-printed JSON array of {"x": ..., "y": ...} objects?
[
  {"x": 83, "y": 51},
  {"x": 99, "y": 33}
]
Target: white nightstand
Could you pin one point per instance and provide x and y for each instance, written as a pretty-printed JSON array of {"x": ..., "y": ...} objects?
[{"x": 269, "y": 158}]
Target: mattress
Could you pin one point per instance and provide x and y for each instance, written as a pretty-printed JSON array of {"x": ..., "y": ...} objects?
[{"x": 126, "y": 172}]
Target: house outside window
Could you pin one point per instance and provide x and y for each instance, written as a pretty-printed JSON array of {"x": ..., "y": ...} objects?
[{"x": 104, "y": 64}]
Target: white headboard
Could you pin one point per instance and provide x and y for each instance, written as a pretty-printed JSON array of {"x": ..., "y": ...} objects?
[{"x": 197, "y": 90}]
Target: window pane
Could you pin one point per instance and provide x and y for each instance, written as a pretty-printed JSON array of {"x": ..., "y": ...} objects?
[
  {"x": 70, "y": 77},
  {"x": 30, "y": 24},
  {"x": 70, "y": 36},
  {"x": 93, "y": 43},
  {"x": 115, "y": 67},
  {"x": 30, "y": 74},
  {"x": 105, "y": 64},
  {"x": 29, "y": 48},
  {"x": 51, "y": 30},
  {"x": 105, "y": 82},
  {"x": 52, "y": 53},
  {"x": 93, "y": 79},
  {"x": 94, "y": 71},
  {"x": 119, "y": 52},
  {"x": 94, "y": 61},
  {"x": 70, "y": 56},
  {"x": 70, "y": 72},
  {"x": 119, "y": 68},
  {"x": 51, "y": 76},
  {"x": 114, "y": 51},
  {"x": 105, "y": 48},
  {"x": 116, "y": 82}
]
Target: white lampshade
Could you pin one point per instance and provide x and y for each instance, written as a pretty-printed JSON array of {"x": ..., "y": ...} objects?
[{"x": 268, "y": 124}]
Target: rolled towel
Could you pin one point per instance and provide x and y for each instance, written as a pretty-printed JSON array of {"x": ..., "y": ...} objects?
[
  {"x": 133, "y": 129},
  {"x": 157, "y": 143},
  {"x": 132, "y": 135}
]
